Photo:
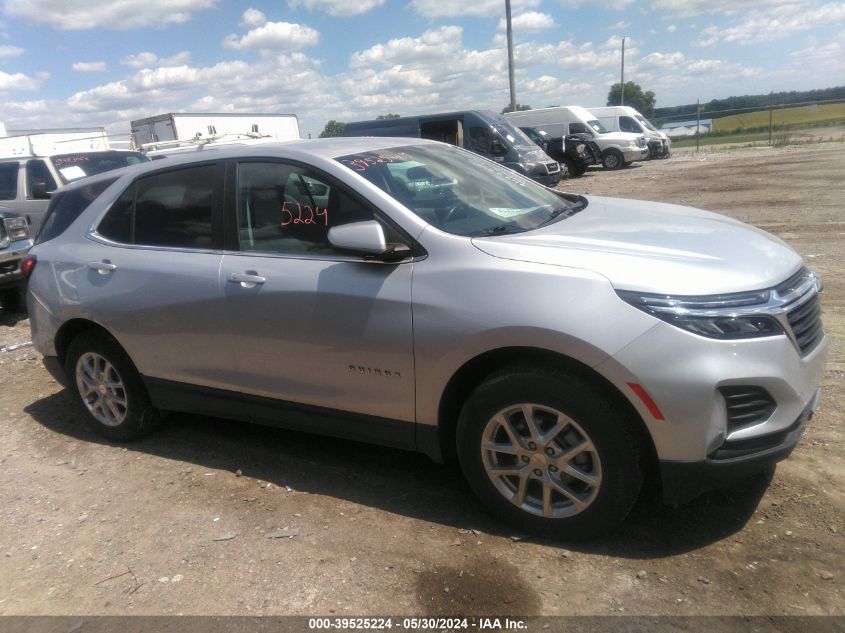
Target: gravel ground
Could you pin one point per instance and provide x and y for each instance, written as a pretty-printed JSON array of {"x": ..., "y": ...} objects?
[{"x": 214, "y": 517}]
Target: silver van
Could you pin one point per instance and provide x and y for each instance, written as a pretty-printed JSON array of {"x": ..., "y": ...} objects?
[{"x": 410, "y": 293}]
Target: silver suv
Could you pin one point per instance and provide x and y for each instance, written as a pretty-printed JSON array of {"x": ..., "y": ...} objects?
[{"x": 413, "y": 294}]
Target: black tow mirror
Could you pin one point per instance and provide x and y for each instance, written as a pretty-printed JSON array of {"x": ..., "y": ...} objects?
[{"x": 39, "y": 190}]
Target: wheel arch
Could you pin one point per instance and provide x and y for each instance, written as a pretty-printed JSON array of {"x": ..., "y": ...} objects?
[
  {"x": 473, "y": 372},
  {"x": 71, "y": 329}
]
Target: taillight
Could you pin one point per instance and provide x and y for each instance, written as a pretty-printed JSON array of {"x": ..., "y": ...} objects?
[{"x": 28, "y": 265}]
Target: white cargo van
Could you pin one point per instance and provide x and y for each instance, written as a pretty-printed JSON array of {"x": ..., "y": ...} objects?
[
  {"x": 183, "y": 131},
  {"x": 619, "y": 149},
  {"x": 627, "y": 119}
]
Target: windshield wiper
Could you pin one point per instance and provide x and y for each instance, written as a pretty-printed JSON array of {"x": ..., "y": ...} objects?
[
  {"x": 500, "y": 229},
  {"x": 557, "y": 213}
]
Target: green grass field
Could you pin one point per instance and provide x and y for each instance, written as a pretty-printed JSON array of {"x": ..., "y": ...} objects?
[{"x": 781, "y": 117}]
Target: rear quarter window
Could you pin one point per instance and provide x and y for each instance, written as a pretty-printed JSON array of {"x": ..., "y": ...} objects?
[{"x": 66, "y": 206}]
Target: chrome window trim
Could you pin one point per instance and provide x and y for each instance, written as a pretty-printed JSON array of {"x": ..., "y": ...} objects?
[{"x": 339, "y": 258}]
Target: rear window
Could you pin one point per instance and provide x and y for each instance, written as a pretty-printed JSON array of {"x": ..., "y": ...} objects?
[
  {"x": 75, "y": 166},
  {"x": 66, "y": 206},
  {"x": 8, "y": 181}
]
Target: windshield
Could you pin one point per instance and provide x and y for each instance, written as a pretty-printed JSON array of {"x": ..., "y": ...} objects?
[
  {"x": 75, "y": 166},
  {"x": 645, "y": 122},
  {"x": 509, "y": 131},
  {"x": 459, "y": 192},
  {"x": 598, "y": 127}
]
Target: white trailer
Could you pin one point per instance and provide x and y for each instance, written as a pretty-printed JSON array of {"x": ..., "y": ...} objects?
[
  {"x": 49, "y": 142},
  {"x": 180, "y": 131}
]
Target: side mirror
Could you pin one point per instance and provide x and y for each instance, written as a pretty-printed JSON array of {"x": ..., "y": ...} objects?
[
  {"x": 39, "y": 190},
  {"x": 366, "y": 238},
  {"x": 497, "y": 148}
]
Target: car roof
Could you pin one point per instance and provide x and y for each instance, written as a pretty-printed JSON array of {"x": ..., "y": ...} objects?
[{"x": 303, "y": 150}]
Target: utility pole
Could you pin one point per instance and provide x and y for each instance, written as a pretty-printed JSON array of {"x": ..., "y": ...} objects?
[
  {"x": 697, "y": 122},
  {"x": 771, "y": 108},
  {"x": 622, "y": 93},
  {"x": 510, "y": 55}
]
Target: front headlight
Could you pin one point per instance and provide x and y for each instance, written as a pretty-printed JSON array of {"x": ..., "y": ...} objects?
[
  {"x": 16, "y": 229},
  {"x": 580, "y": 148},
  {"x": 729, "y": 316}
]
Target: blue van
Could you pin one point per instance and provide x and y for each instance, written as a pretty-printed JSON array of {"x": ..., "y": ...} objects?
[{"x": 481, "y": 131}]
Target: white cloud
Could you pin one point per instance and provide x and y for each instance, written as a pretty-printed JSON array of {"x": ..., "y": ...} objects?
[
  {"x": 529, "y": 22},
  {"x": 618, "y": 26},
  {"x": 614, "y": 5},
  {"x": 123, "y": 15},
  {"x": 275, "y": 36},
  {"x": 671, "y": 28},
  {"x": 337, "y": 8},
  {"x": 774, "y": 24},
  {"x": 433, "y": 45},
  {"x": 252, "y": 18},
  {"x": 90, "y": 67},
  {"x": 147, "y": 59},
  {"x": 688, "y": 8},
  {"x": 465, "y": 8},
  {"x": 17, "y": 81},
  {"x": 10, "y": 51}
]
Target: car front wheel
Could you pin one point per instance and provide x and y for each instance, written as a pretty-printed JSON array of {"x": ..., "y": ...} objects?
[
  {"x": 107, "y": 390},
  {"x": 550, "y": 453}
]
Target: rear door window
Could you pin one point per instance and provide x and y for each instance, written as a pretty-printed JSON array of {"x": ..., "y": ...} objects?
[
  {"x": 66, "y": 206},
  {"x": 8, "y": 181},
  {"x": 169, "y": 209}
]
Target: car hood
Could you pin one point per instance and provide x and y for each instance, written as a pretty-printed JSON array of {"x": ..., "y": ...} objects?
[{"x": 655, "y": 247}]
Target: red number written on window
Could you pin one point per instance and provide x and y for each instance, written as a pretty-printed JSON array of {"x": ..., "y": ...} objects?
[{"x": 312, "y": 214}]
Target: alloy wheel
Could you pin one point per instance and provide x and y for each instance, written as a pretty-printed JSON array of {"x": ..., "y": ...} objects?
[
  {"x": 101, "y": 389},
  {"x": 541, "y": 460}
]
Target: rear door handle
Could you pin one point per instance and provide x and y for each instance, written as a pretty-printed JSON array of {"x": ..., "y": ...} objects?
[
  {"x": 247, "y": 280},
  {"x": 104, "y": 268}
]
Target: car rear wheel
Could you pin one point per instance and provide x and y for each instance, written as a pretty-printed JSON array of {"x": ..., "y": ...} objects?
[
  {"x": 550, "y": 453},
  {"x": 613, "y": 159},
  {"x": 107, "y": 390}
]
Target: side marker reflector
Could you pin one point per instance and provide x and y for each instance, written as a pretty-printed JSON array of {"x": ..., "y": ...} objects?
[{"x": 650, "y": 404}]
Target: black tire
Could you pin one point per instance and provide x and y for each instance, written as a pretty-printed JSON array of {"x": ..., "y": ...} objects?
[
  {"x": 608, "y": 428},
  {"x": 580, "y": 170},
  {"x": 139, "y": 415},
  {"x": 613, "y": 159},
  {"x": 13, "y": 300}
]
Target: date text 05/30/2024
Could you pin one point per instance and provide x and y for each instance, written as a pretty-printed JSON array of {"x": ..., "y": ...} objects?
[{"x": 418, "y": 624}]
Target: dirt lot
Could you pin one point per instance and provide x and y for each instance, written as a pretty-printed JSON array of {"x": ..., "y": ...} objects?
[{"x": 166, "y": 525}]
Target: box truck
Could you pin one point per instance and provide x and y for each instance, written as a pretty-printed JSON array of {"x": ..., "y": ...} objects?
[{"x": 186, "y": 131}]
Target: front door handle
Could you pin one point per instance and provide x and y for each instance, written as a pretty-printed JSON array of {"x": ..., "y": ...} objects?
[
  {"x": 104, "y": 267},
  {"x": 247, "y": 280}
]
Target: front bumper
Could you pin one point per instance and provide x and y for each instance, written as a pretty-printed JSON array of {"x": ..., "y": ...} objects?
[
  {"x": 548, "y": 174},
  {"x": 10, "y": 263},
  {"x": 635, "y": 153},
  {"x": 684, "y": 374},
  {"x": 734, "y": 461},
  {"x": 658, "y": 149}
]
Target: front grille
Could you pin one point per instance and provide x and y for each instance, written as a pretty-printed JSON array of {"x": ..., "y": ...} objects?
[
  {"x": 8, "y": 267},
  {"x": 746, "y": 406},
  {"x": 4, "y": 239},
  {"x": 806, "y": 323}
]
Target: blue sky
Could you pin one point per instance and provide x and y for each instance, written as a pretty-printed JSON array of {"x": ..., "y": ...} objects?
[{"x": 83, "y": 62}]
